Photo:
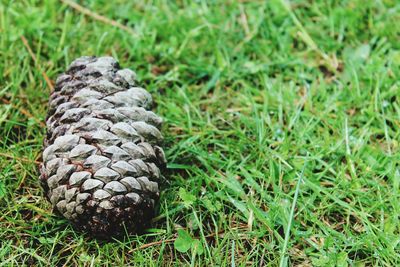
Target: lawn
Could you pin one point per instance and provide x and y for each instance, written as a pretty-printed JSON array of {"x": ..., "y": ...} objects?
[{"x": 281, "y": 129}]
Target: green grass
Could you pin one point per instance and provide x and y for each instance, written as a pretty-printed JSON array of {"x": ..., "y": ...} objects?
[{"x": 252, "y": 92}]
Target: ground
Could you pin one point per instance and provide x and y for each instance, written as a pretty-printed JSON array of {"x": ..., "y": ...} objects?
[{"x": 281, "y": 129}]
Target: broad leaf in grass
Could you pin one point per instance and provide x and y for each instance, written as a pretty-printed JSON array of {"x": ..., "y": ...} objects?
[
  {"x": 183, "y": 242},
  {"x": 187, "y": 198},
  {"x": 197, "y": 247}
]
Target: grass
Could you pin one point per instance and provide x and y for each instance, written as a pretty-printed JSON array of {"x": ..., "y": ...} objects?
[{"x": 251, "y": 92}]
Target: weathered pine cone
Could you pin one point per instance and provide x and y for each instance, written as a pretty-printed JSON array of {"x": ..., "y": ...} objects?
[{"x": 101, "y": 159}]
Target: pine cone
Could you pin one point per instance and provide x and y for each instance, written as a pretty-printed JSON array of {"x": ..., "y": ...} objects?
[{"x": 101, "y": 162}]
